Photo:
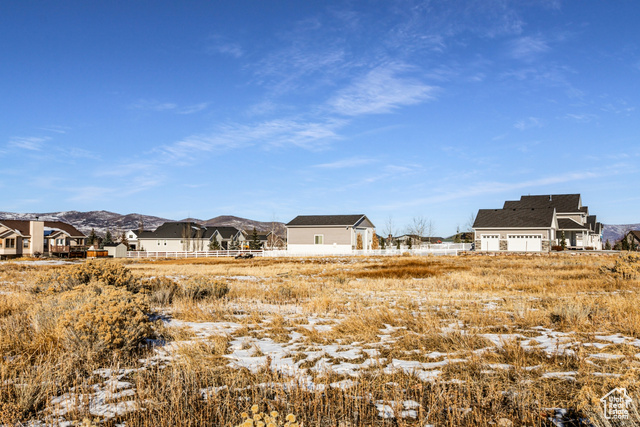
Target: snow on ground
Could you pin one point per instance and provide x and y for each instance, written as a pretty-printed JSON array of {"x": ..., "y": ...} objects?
[{"x": 300, "y": 361}]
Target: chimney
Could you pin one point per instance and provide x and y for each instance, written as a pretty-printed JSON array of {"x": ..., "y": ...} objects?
[{"x": 36, "y": 233}]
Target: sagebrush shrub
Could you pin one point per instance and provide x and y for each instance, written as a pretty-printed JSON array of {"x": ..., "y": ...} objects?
[
  {"x": 104, "y": 319},
  {"x": 161, "y": 290},
  {"x": 106, "y": 272}
]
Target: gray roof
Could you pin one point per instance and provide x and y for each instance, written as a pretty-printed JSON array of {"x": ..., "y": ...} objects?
[
  {"x": 514, "y": 218},
  {"x": 178, "y": 230},
  {"x": 569, "y": 224},
  {"x": 226, "y": 232},
  {"x": 562, "y": 202},
  {"x": 23, "y": 227},
  {"x": 327, "y": 220}
]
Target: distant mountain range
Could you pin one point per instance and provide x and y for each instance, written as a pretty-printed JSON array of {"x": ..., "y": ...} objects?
[
  {"x": 613, "y": 232},
  {"x": 101, "y": 221}
]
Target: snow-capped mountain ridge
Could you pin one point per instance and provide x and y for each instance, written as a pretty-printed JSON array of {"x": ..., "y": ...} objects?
[{"x": 101, "y": 221}]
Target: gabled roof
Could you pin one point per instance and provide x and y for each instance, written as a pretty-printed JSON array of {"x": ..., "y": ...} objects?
[
  {"x": 175, "y": 230},
  {"x": 22, "y": 226},
  {"x": 569, "y": 224},
  {"x": 635, "y": 234},
  {"x": 226, "y": 232},
  {"x": 563, "y": 203},
  {"x": 328, "y": 220},
  {"x": 182, "y": 229},
  {"x": 514, "y": 218}
]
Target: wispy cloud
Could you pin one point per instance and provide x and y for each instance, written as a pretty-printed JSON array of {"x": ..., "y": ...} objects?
[
  {"x": 56, "y": 129},
  {"x": 528, "y": 123},
  {"x": 193, "y": 108},
  {"x": 346, "y": 163},
  {"x": 381, "y": 90},
  {"x": 308, "y": 134},
  {"x": 581, "y": 118},
  {"x": 496, "y": 187},
  {"x": 31, "y": 143},
  {"x": 153, "y": 105},
  {"x": 222, "y": 45},
  {"x": 528, "y": 48}
]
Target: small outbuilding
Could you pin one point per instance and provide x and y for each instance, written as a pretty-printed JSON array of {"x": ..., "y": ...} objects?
[{"x": 116, "y": 250}]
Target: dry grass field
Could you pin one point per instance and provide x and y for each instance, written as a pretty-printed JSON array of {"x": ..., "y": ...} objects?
[{"x": 337, "y": 341}]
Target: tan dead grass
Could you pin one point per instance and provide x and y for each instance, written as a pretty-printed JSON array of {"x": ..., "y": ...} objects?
[{"x": 421, "y": 305}]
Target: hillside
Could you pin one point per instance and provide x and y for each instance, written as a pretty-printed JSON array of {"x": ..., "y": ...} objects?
[
  {"x": 101, "y": 221},
  {"x": 614, "y": 232},
  {"x": 246, "y": 224}
]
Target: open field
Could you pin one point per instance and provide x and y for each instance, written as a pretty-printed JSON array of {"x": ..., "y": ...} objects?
[{"x": 346, "y": 341}]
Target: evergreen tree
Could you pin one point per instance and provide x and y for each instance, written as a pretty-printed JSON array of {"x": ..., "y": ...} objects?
[
  {"x": 255, "y": 243},
  {"x": 375, "y": 243},
  {"x": 624, "y": 244},
  {"x": 607, "y": 245},
  {"x": 214, "y": 245},
  {"x": 563, "y": 241},
  {"x": 398, "y": 244},
  {"x": 382, "y": 243},
  {"x": 108, "y": 238},
  {"x": 124, "y": 240},
  {"x": 93, "y": 237},
  {"x": 409, "y": 242}
]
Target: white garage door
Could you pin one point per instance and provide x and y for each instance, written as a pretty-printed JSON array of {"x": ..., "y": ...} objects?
[
  {"x": 490, "y": 242},
  {"x": 524, "y": 242}
]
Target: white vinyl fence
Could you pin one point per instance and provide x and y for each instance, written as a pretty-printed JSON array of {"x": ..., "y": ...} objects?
[
  {"x": 195, "y": 254},
  {"x": 436, "y": 249}
]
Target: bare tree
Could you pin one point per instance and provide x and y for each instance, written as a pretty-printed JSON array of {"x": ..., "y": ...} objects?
[
  {"x": 186, "y": 236},
  {"x": 417, "y": 229},
  {"x": 389, "y": 229},
  {"x": 198, "y": 242},
  {"x": 273, "y": 238},
  {"x": 469, "y": 224}
]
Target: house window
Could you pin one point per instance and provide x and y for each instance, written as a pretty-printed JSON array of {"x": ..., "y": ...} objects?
[
  {"x": 9, "y": 243},
  {"x": 318, "y": 239},
  {"x": 25, "y": 243},
  {"x": 60, "y": 242}
]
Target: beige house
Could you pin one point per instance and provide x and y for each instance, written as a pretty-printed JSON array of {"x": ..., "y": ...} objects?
[
  {"x": 328, "y": 234},
  {"x": 31, "y": 238},
  {"x": 536, "y": 223},
  {"x": 188, "y": 237}
]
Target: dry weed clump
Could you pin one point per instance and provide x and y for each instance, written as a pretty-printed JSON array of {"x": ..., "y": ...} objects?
[
  {"x": 199, "y": 288},
  {"x": 414, "y": 267},
  {"x": 626, "y": 267},
  {"x": 160, "y": 290},
  {"x": 100, "y": 320}
]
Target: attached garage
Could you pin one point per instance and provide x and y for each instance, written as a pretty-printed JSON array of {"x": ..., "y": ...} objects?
[
  {"x": 524, "y": 242},
  {"x": 490, "y": 242}
]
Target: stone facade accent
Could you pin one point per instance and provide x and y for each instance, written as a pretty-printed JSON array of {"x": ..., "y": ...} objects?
[
  {"x": 503, "y": 245},
  {"x": 546, "y": 245}
]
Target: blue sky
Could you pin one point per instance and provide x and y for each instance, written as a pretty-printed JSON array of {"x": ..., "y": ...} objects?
[{"x": 267, "y": 110}]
